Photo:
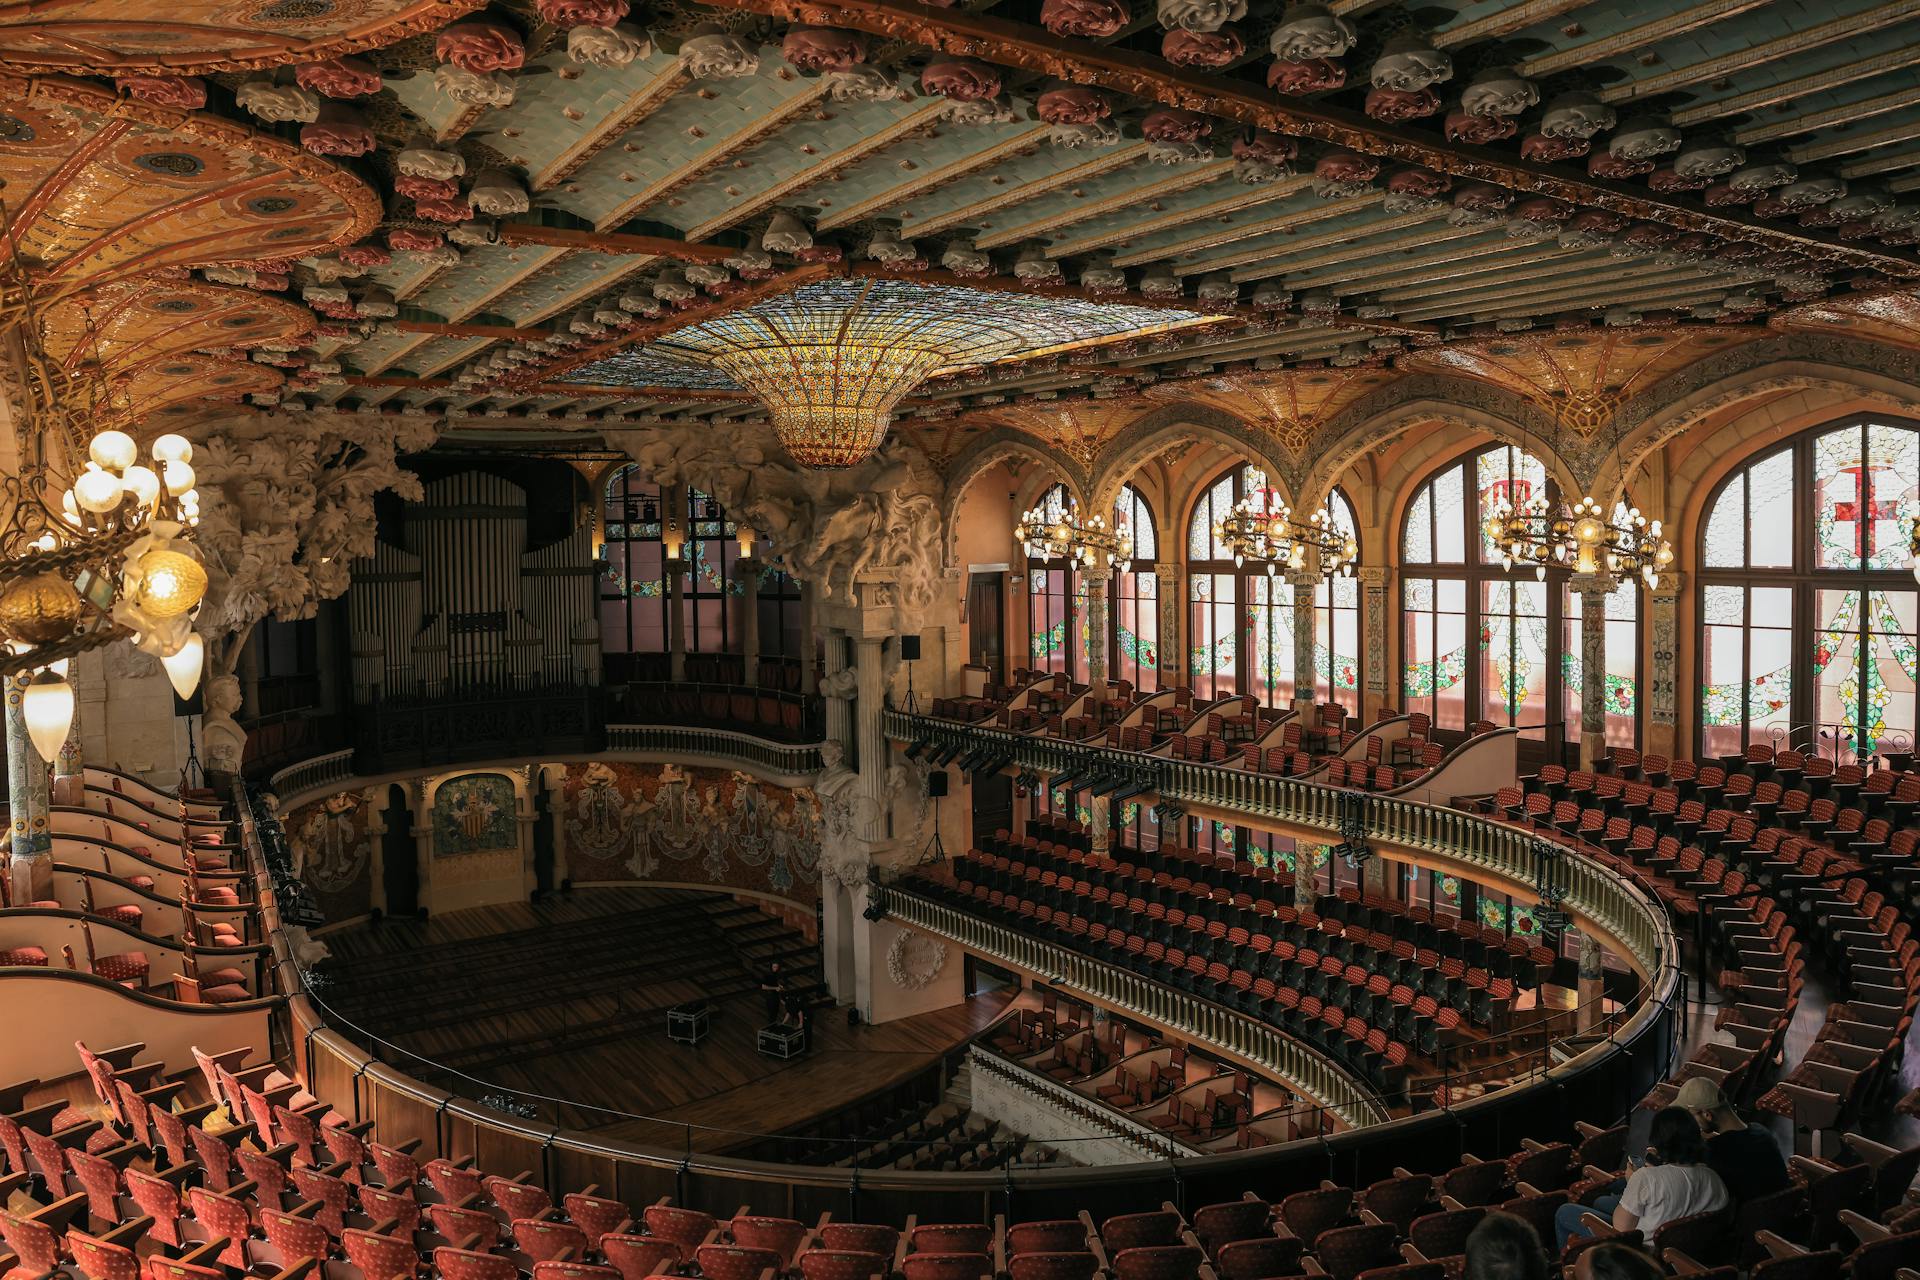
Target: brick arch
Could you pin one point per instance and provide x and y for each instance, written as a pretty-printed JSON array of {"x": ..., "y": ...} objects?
[{"x": 984, "y": 453}]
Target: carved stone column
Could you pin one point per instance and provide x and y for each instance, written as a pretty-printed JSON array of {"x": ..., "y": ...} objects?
[
  {"x": 1593, "y": 590},
  {"x": 30, "y": 871},
  {"x": 838, "y": 691},
  {"x": 1094, "y": 627},
  {"x": 748, "y": 571},
  {"x": 1661, "y": 683},
  {"x": 809, "y": 673},
  {"x": 869, "y": 722},
  {"x": 1592, "y": 983},
  {"x": 1170, "y": 582},
  {"x": 1305, "y": 674},
  {"x": 1375, "y": 640}
]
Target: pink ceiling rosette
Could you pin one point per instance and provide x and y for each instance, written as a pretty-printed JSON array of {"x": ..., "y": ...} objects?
[
  {"x": 414, "y": 187},
  {"x": 961, "y": 79},
  {"x": 1416, "y": 181},
  {"x": 1397, "y": 106},
  {"x": 1346, "y": 167},
  {"x": 366, "y": 254},
  {"x": 823, "y": 49},
  {"x": 1605, "y": 164},
  {"x": 483, "y": 48},
  {"x": 1464, "y": 126},
  {"x": 338, "y": 77},
  {"x": 1541, "y": 149},
  {"x": 1084, "y": 19},
  {"x": 1171, "y": 124},
  {"x": 581, "y": 13},
  {"x": 1309, "y": 75},
  {"x": 413, "y": 240},
  {"x": 1265, "y": 147},
  {"x": 1209, "y": 50},
  {"x": 183, "y": 93},
  {"x": 443, "y": 209},
  {"x": 1073, "y": 104},
  {"x": 338, "y": 132}
]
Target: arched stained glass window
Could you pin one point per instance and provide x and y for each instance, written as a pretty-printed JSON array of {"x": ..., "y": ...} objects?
[
  {"x": 1336, "y": 622},
  {"x": 1134, "y": 600},
  {"x": 633, "y": 605},
  {"x": 1808, "y": 613},
  {"x": 1217, "y": 666},
  {"x": 1053, "y": 609}
]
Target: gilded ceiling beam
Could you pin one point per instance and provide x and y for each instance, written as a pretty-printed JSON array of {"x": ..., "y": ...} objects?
[
  {"x": 931, "y": 180},
  {"x": 612, "y": 242},
  {"x": 1847, "y": 114},
  {"x": 1896, "y": 59},
  {"x": 1279, "y": 259},
  {"x": 583, "y": 391},
  {"x": 1114, "y": 159},
  {"x": 1142, "y": 75},
  {"x": 1131, "y": 199},
  {"x": 505, "y": 332},
  {"x": 1631, "y": 39}
]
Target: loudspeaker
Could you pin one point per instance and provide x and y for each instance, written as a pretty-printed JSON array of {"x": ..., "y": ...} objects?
[
  {"x": 910, "y": 648},
  {"x": 937, "y": 783},
  {"x": 194, "y": 706}
]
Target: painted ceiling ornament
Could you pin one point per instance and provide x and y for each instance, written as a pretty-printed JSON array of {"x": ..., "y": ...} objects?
[
  {"x": 816, "y": 50},
  {"x": 1539, "y": 216},
  {"x": 429, "y": 162},
  {"x": 1397, "y": 106},
  {"x": 1340, "y": 175},
  {"x": 1084, "y": 19},
  {"x": 585, "y": 324},
  {"x": 581, "y": 13},
  {"x": 863, "y": 84},
  {"x": 1415, "y": 189},
  {"x": 888, "y": 248},
  {"x": 240, "y": 276},
  {"x": 1499, "y": 91},
  {"x": 473, "y": 88},
  {"x": 278, "y": 103},
  {"x": 1644, "y": 138},
  {"x": 996, "y": 110},
  {"x": 339, "y": 77},
  {"x": 1806, "y": 193},
  {"x": 1719, "y": 195},
  {"x": 1478, "y": 204},
  {"x": 1310, "y": 31},
  {"x": 339, "y": 131},
  {"x": 1218, "y": 288},
  {"x": 182, "y": 93},
  {"x": 963, "y": 259},
  {"x": 1296, "y": 78},
  {"x": 483, "y": 48},
  {"x": 414, "y": 240},
  {"x": 751, "y": 263},
  {"x": 1033, "y": 266},
  {"x": 1171, "y": 124},
  {"x": 1605, "y": 164},
  {"x": 961, "y": 79},
  {"x": 1410, "y": 63},
  {"x": 1541, "y": 149},
  {"x": 707, "y": 274},
  {"x": 712, "y": 53},
  {"x": 1576, "y": 115},
  {"x": 1073, "y": 104},
  {"x": 1260, "y": 155},
  {"x": 786, "y": 233},
  {"x": 1666, "y": 179},
  {"x": 366, "y": 254},
  {"x": 673, "y": 288},
  {"x": 1272, "y": 295},
  {"x": 1209, "y": 50},
  {"x": 455, "y": 209},
  {"x": 1200, "y": 15},
  {"x": 498, "y": 194},
  {"x": 412, "y": 188},
  {"x": 1319, "y": 302},
  {"x": 610, "y": 47},
  {"x": 1708, "y": 158},
  {"x": 1160, "y": 282},
  {"x": 1479, "y": 131},
  {"x": 1101, "y": 277}
]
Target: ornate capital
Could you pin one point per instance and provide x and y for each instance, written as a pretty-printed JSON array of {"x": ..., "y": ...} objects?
[
  {"x": 1372, "y": 576},
  {"x": 1596, "y": 584},
  {"x": 1670, "y": 584}
]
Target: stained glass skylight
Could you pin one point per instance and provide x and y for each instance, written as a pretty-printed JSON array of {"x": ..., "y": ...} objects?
[{"x": 832, "y": 358}]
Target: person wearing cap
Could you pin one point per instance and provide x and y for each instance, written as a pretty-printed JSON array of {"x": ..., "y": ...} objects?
[
  {"x": 1747, "y": 1159},
  {"x": 1674, "y": 1182}
]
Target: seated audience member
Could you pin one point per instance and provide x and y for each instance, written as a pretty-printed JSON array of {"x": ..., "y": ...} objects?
[
  {"x": 1616, "y": 1262},
  {"x": 1747, "y": 1159},
  {"x": 1674, "y": 1183},
  {"x": 1505, "y": 1247}
]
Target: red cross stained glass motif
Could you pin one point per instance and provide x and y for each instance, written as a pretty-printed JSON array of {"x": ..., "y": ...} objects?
[{"x": 1864, "y": 510}]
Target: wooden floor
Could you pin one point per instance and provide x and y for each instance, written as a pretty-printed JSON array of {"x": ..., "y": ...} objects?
[{"x": 591, "y": 1051}]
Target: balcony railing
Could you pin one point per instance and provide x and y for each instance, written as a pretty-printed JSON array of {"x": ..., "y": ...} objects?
[
  {"x": 1208, "y": 1025},
  {"x": 723, "y": 745},
  {"x": 1611, "y": 904}
]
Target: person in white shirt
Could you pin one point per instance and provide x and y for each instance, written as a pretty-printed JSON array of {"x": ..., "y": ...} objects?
[{"x": 1676, "y": 1182}]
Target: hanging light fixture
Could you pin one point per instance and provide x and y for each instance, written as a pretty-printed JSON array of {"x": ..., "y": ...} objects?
[
  {"x": 1262, "y": 528},
  {"x": 1585, "y": 538},
  {"x": 1062, "y": 535},
  {"x": 47, "y": 706},
  {"x": 95, "y": 545},
  {"x": 185, "y": 665}
]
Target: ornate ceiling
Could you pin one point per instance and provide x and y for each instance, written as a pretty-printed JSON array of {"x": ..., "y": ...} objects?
[{"x": 492, "y": 209}]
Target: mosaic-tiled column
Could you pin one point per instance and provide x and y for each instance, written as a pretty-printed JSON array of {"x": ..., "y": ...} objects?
[
  {"x": 30, "y": 873},
  {"x": 1171, "y": 583},
  {"x": 1593, "y": 590},
  {"x": 1093, "y": 623},
  {"x": 1661, "y": 684},
  {"x": 1305, "y": 672},
  {"x": 1373, "y": 625}
]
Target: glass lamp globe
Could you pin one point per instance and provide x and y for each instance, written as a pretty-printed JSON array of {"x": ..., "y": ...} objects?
[
  {"x": 144, "y": 484},
  {"x": 171, "y": 583},
  {"x": 114, "y": 450},
  {"x": 172, "y": 448},
  {"x": 97, "y": 491},
  {"x": 47, "y": 705}
]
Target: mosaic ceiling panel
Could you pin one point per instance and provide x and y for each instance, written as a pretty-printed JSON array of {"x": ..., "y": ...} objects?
[{"x": 132, "y": 323}]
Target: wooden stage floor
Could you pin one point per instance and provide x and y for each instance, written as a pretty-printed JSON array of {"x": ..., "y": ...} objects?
[{"x": 637, "y": 1085}]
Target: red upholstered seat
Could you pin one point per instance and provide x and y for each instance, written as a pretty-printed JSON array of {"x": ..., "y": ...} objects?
[
  {"x": 594, "y": 1215},
  {"x": 546, "y": 1241},
  {"x": 34, "y": 1245},
  {"x": 1059, "y": 1235},
  {"x": 1158, "y": 1262},
  {"x": 684, "y": 1227},
  {"x": 947, "y": 1266},
  {"x": 839, "y": 1264},
  {"x": 1053, "y": 1266},
  {"x": 860, "y": 1237},
  {"x": 637, "y": 1257},
  {"x": 21, "y": 956},
  {"x": 780, "y": 1235},
  {"x": 461, "y": 1264},
  {"x": 573, "y": 1271},
  {"x": 735, "y": 1262},
  {"x": 102, "y": 1261},
  {"x": 480, "y": 1228},
  {"x": 950, "y": 1238},
  {"x": 380, "y": 1257},
  {"x": 127, "y": 966}
]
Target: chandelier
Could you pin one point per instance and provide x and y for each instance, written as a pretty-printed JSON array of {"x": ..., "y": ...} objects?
[
  {"x": 1059, "y": 534},
  {"x": 1261, "y": 528},
  {"x": 832, "y": 359},
  {"x": 94, "y": 545},
  {"x": 1585, "y": 538}
]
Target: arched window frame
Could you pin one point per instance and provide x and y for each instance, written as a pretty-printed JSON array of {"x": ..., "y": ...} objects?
[
  {"x": 1778, "y": 669},
  {"x": 711, "y": 592},
  {"x": 1337, "y": 634},
  {"x": 1133, "y": 600},
  {"x": 1474, "y": 598},
  {"x": 1056, "y": 640},
  {"x": 1226, "y": 613},
  {"x": 633, "y": 597}
]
